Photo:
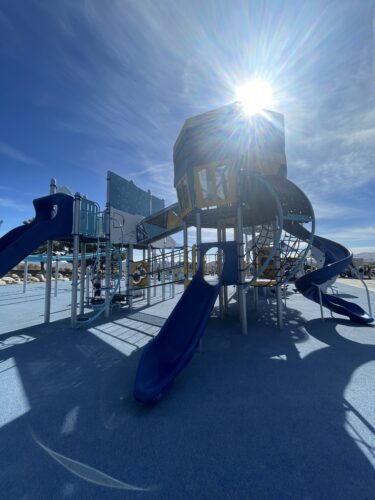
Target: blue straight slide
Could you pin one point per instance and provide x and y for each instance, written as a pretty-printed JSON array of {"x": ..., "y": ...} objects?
[
  {"x": 172, "y": 349},
  {"x": 53, "y": 221},
  {"x": 337, "y": 259}
]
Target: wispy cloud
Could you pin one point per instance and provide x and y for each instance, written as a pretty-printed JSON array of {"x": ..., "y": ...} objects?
[
  {"x": 133, "y": 73},
  {"x": 149, "y": 65},
  {"x": 14, "y": 204},
  {"x": 329, "y": 210},
  {"x": 341, "y": 172},
  {"x": 17, "y": 155},
  {"x": 361, "y": 239},
  {"x": 354, "y": 236},
  {"x": 159, "y": 178},
  {"x": 361, "y": 249}
]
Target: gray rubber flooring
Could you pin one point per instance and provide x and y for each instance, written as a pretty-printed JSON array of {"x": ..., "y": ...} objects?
[{"x": 271, "y": 415}]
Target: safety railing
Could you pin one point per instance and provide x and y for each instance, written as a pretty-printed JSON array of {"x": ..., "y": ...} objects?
[{"x": 91, "y": 219}]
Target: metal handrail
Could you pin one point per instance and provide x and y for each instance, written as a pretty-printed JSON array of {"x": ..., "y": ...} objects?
[{"x": 356, "y": 273}]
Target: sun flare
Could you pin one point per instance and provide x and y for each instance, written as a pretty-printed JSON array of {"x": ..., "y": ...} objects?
[{"x": 254, "y": 96}]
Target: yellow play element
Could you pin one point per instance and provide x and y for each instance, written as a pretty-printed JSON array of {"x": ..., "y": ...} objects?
[
  {"x": 183, "y": 194},
  {"x": 215, "y": 184},
  {"x": 270, "y": 271},
  {"x": 140, "y": 274}
]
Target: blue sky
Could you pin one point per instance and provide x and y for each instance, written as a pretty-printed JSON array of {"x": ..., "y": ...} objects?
[{"x": 88, "y": 86}]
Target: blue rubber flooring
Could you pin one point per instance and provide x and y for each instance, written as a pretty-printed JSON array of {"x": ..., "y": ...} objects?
[{"x": 271, "y": 415}]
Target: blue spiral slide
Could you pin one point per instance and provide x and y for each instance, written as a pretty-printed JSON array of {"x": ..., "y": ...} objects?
[
  {"x": 337, "y": 259},
  {"x": 53, "y": 221}
]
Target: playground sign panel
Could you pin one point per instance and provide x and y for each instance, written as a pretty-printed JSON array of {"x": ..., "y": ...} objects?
[{"x": 129, "y": 204}]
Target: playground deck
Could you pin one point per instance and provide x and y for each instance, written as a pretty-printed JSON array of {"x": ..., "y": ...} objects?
[{"x": 274, "y": 414}]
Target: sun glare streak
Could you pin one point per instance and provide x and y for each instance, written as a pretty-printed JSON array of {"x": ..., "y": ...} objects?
[
  {"x": 87, "y": 472},
  {"x": 254, "y": 96}
]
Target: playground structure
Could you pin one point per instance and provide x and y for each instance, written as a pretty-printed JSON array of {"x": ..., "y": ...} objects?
[
  {"x": 75, "y": 219},
  {"x": 230, "y": 175}
]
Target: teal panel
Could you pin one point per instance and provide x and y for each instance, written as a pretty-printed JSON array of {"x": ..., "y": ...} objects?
[{"x": 90, "y": 219}]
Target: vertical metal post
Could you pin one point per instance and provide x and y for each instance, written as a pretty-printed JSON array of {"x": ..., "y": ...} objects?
[
  {"x": 56, "y": 273},
  {"x": 155, "y": 268},
  {"x": 82, "y": 280},
  {"x": 87, "y": 288},
  {"x": 368, "y": 298},
  {"x": 173, "y": 273},
  {"x": 224, "y": 238},
  {"x": 255, "y": 268},
  {"x": 76, "y": 224},
  {"x": 358, "y": 275},
  {"x": 247, "y": 253},
  {"x": 241, "y": 293},
  {"x": 279, "y": 301},
  {"x": 129, "y": 277},
  {"x": 219, "y": 271},
  {"x": 321, "y": 303},
  {"x": 163, "y": 274},
  {"x": 199, "y": 242},
  {"x": 143, "y": 259},
  {"x": 279, "y": 305},
  {"x": 199, "y": 236},
  {"x": 25, "y": 267},
  {"x": 150, "y": 273},
  {"x": 47, "y": 297},
  {"x": 108, "y": 252},
  {"x": 186, "y": 254}
]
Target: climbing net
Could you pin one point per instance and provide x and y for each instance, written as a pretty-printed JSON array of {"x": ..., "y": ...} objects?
[{"x": 271, "y": 257}]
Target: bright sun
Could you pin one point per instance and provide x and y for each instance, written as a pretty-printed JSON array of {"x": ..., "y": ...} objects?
[{"x": 255, "y": 95}]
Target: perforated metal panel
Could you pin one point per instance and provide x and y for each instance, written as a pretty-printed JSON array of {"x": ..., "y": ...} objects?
[{"x": 124, "y": 195}]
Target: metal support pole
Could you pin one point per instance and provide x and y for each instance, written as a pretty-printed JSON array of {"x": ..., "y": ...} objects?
[
  {"x": 186, "y": 254},
  {"x": 255, "y": 268},
  {"x": 219, "y": 271},
  {"x": 56, "y": 274},
  {"x": 356, "y": 273},
  {"x": 108, "y": 252},
  {"x": 87, "y": 288},
  {"x": 83, "y": 279},
  {"x": 173, "y": 278},
  {"x": 129, "y": 277},
  {"x": 241, "y": 293},
  {"x": 163, "y": 274},
  {"x": 368, "y": 298},
  {"x": 199, "y": 236},
  {"x": 279, "y": 303},
  {"x": 25, "y": 275},
  {"x": 76, "y": 224},
  {"x": 143, "y": 259},
  {"x": 198, "y": 254},
  {"x": 247, "y": 254},
  {"x": 321, "y": 303},
  {"x": 279, "y": 300},
  {"x": 150, "y": 273},
  {"x": 224, "y": 238},
  {"x": 47, "y": 297},
  {"x": 155, "y": 269}
]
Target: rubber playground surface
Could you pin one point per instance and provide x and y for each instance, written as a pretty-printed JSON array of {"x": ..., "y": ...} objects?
[{"x": 274, "y": 414}]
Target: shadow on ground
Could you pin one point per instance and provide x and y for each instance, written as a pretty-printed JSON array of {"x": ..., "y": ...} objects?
[{"x": 250, "y": 417}]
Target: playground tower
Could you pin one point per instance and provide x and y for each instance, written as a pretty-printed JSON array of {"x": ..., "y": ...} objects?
[{"x": 230, "y": 172}]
